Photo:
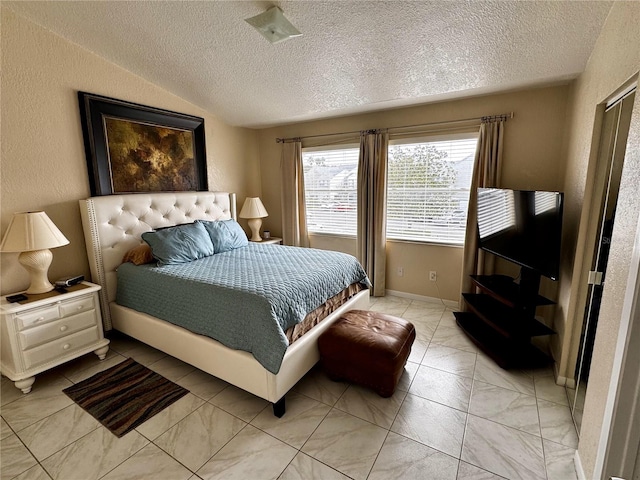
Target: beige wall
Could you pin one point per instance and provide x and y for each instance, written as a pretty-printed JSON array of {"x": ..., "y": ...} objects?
[
  {"x": 416, "y": 261},
  {"x": 615, "y": 59},
  {"x": 43, "y": 160},
  {"x": 533, "y": 160}
]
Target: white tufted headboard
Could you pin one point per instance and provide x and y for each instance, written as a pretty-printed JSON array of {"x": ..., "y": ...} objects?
[{"x": 113, "y": 224}]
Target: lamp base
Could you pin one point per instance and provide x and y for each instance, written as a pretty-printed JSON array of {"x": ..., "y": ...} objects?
[
  {"x": 254, "y": 225},
  {"x": 37, "y": 263}
]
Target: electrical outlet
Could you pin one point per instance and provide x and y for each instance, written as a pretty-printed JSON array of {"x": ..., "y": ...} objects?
[
  {"x": 432, "y": 276},
  {"x": 400, "y": 271}
]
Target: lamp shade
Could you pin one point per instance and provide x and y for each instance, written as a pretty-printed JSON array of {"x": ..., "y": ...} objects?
[
  {"x": 253, "y": 208},
  {"x": 30, "y": 231},
  {"x": 273, "y": 25}
]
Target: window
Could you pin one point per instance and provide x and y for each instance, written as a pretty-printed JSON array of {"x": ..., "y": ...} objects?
[
  {"x": 330, "y": 183},
  {"x": 428, "y": 182}
]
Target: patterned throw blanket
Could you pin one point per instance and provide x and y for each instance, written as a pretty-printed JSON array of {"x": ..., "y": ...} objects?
[{"x": 245, "y": 298}]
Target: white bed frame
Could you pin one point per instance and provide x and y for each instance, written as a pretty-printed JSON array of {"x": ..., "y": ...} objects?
[{"x": 114, "y": 224}]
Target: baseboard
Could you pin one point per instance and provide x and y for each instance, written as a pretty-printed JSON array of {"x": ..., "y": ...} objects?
[
  {"x": 578, "y": 464},
  {"x": 423, "y": 298},
  {"x": 563, "y": 381},
  {"x": 566, "y": 382}
]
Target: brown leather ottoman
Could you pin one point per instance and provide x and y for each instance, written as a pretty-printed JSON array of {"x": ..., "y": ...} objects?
[{"x": 367, "y": 348}]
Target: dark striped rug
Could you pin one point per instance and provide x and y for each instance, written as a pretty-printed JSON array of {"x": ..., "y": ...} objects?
[{"x": 125, "y": 396}]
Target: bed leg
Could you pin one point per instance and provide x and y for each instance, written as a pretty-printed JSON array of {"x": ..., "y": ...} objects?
[{"x": 278, "y": 408}]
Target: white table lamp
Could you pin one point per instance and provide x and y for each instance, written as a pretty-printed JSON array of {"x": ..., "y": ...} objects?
[
  {"x": 33, "y": 234},
  {"x": 254, "y": 210}
]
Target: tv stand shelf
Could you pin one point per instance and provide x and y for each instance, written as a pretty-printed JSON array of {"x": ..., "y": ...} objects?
[
  {"x": 504, "y": 319},
  {"x": 501, "y": 320},
  {"x": 505, "y": 290},
  {"x": 505, "y": 353}
]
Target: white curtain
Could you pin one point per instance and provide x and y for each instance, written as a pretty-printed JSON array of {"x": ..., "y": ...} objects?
[
  {"x": 486, "y": 173},
  {"x": 372, "y": 220},
  {"x": 294, "y": 213}
]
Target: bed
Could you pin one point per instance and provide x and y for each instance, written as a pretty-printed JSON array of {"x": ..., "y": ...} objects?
[{"x": 114, "y": 224}]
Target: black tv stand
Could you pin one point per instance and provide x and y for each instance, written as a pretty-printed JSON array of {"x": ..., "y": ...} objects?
[{"x": 501, "y": 320}]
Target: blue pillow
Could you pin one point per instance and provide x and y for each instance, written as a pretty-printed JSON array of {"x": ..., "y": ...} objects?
[
  {"x": 225, "y": 235},
  {"x": 179, "y": 244}
]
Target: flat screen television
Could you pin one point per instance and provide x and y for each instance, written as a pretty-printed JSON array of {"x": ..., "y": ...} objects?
[{"x": 523, "y": 227}]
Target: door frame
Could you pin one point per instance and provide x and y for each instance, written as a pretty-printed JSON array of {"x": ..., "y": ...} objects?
[
  {"x": 620, "y": 433},
  {"x": 608, "y": 142}
]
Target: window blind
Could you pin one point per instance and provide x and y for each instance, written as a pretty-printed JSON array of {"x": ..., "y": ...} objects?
[
  {"x": 428, "y": 182},
  {"x": 330, "y": 182}
]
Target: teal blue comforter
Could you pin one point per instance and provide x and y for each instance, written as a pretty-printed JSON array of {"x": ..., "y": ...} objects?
[{"x": 245, "y": 298}]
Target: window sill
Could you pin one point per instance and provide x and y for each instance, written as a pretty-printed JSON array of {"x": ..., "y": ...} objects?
[
  {"x": 332, "y": 235},
  {"x": 389, "y": 240},
  {"x": 426, "y": 243}
]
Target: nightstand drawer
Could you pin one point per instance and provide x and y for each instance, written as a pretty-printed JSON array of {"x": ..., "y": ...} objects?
[
  {"x": 37, "y": 316},
  {"x": 59, "y": 348},
  {"x": 37, "y": 335},
  {"x": 76, "y": 306}
]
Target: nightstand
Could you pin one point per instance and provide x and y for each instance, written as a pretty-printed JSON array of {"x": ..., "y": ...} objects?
[
  {"x": 271, "y": 241},
  {"x": 49, "y": 329}
]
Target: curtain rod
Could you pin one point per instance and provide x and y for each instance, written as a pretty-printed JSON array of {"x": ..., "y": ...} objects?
[{"x": 488, "y": 118}]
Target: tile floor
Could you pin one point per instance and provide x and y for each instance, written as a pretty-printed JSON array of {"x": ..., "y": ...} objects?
[{"x": 455, "y": 415}]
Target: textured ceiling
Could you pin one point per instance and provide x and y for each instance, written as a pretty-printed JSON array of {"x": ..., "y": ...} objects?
[{"x": 354, "y": 56}]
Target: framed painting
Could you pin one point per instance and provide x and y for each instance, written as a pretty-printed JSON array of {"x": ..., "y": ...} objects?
[{"x": 133, "y": 148}]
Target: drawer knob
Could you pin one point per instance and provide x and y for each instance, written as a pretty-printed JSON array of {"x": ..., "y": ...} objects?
[
  {"x": 39, "y": 319},
  {"x": 79, "y": 307},
  {"x": 63, "y": 328},
  {"x": 66, "y": 346}
]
